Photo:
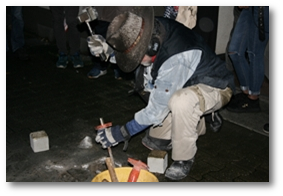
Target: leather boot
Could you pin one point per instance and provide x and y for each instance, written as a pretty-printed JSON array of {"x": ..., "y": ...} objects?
[
  {"x": 155, "y": 143},
  {"x": 179, "y": 169}
]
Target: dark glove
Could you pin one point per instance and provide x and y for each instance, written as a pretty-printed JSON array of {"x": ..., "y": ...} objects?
[{"x": 113, "y": 135}]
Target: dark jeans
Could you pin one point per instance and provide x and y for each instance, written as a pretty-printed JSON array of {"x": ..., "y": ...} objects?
[
  {"x": 236, "y": 13},
  {"x": 17, "y": 31},
  {"x": 245, "y": 39},
  {"x": 72, "y": 35}
]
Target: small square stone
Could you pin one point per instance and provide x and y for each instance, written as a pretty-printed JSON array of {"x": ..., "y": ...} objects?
[
  {"x": 39, "y": 141},
  {"x": 157, "y": 161}
]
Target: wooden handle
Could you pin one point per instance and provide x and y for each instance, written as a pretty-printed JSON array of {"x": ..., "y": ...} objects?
[
  {"x": 111, "y": 156},
  {"x": 111, "y": 170}
]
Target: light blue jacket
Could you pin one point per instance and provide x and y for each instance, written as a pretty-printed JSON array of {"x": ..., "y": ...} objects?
[{"x": 172, "y": 76}]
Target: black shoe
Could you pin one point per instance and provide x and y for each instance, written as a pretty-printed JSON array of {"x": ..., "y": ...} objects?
[
  {"x": 215, "y": 121},
  {"x": 156, "y": 144},
  {"x": 235, "y": 99},
  {"x": 21, "y": 54},
  {"x": 266, "y": 128},
  {"x": 179, "y": 169},
  {"x": 242, "y": 103}
]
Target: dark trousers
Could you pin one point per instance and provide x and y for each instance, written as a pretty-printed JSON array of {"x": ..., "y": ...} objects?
[
  {"x": 17, "y": 31},
  {"x": 72, "y": 35},
  {"x": 100, "y": 27}
]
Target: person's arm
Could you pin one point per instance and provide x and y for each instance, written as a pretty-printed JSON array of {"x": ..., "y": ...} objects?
[{"x": 172, "y": 76}]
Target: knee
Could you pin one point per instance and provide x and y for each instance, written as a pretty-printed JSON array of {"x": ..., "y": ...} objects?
[
  {"x": 232, "y": 53},
  {"x": 183, "y": 100},
  {"x": 232, "y": 50}
]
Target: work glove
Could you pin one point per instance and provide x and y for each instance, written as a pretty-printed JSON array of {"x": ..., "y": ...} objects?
[
  {"x": 111, "y": 136},
  {"x": 98, "y": 46}
]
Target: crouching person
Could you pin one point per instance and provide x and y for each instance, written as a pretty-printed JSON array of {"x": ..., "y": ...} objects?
[{"x": 182, "y": 76}]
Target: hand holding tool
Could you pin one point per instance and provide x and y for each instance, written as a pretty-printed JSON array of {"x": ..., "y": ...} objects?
[
  {"x": 90, "y": 14},
  {"x": 101, "y": 127},
  {"x": 108, "y": 135},
  {"x": 109, "y": 160}
]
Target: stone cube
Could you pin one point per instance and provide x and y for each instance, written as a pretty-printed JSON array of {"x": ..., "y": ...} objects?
[
  {"x": 39, "y": 141},
  {"x": 157, "y": 161}
]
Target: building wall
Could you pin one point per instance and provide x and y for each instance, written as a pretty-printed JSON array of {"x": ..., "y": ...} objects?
[
  {"x": 38, "y": 19},
  {"x": 225, "y": 24}
]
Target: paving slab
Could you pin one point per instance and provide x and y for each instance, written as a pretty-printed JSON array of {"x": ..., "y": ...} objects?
[{"x": 68, "y": 105}]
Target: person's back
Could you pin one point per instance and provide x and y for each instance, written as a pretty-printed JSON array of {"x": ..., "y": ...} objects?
[{"x": 211, "y": 69}]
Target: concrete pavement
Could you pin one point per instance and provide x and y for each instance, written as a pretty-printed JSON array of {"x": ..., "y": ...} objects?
[{"x": 67, "y": 105}]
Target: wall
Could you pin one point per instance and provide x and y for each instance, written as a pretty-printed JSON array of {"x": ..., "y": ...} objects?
[
  {"x": 225, "y": 24},
  {"x": 38, "y": 19}
]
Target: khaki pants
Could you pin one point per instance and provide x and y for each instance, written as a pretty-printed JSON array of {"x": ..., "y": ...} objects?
[{"x": 184, "y": 124}]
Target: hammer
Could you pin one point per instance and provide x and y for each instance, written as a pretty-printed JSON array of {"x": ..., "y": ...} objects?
[
  {"x": 90, "y": 14},
  {"x": 109, "y": 160},
  {"x": 138, "y": 165}
]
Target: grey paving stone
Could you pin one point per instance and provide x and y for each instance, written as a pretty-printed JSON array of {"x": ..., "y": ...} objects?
[{"x": 68, "y": 105}]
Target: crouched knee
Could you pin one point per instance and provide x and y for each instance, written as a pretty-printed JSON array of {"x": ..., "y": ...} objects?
[{"x": 183, "y": 99}]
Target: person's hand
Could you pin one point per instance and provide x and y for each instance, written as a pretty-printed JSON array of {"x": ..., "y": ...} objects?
[
  {"x": 98, "y": 46},
  {"x": 110, "y": 136}
]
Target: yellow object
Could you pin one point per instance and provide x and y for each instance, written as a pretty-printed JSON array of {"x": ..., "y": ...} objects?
[{"x": 123, "y": 175}]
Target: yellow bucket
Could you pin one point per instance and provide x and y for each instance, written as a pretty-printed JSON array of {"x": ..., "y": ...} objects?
[{"x": 123, "y": 175}]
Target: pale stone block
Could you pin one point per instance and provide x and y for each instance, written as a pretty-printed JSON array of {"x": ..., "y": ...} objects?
[
  {"x": 39, "y": 141},
  {"x": 157, "y": 161}
]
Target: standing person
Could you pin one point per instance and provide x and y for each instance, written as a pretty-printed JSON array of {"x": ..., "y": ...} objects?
[
  {"x": 250, "y": 37},
  {"x": 67, "y": 33},
  {"x": 17, "y": 34},
  {"x": 184, "y": 78},
  {"x": 236, "y": 14}
]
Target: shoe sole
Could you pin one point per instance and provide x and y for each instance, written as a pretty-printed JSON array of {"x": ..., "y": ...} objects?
[
  {"x": 147, "y": 146},
  {"x": 175, "y": 179},
  {"x": 61, "y": 67},
  {"x": 167, "y": 149},
  {"x": 94, "y": 77},
  {"x": 78, "y": 66}
]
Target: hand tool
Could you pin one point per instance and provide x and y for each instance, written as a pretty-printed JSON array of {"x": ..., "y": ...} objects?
[
  {"x": 111, "y": 170},
  {"x": 109, "y": 160},
  {"x": 104, "y": 126},
  {"x": 138, "y": 165},
  {"x": 90, "y": 14}
]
